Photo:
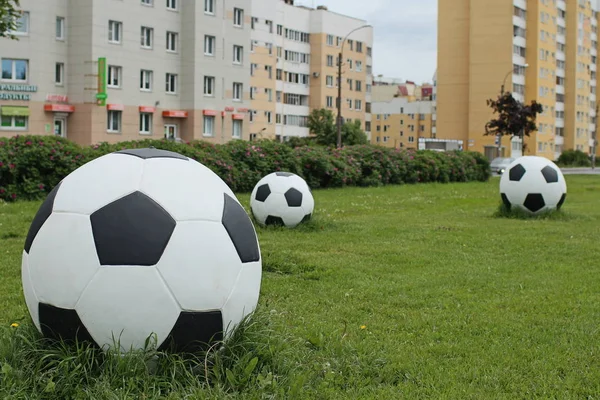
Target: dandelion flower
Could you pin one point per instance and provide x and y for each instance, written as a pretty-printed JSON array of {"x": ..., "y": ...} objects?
[
  {"x": 363, "y": 327},
  {"x": 14, "y": 325}
]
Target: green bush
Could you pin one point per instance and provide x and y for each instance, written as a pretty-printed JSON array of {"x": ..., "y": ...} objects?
[
  {"x": 30, "y": 166},
  {"x": 574, "y": 158}
]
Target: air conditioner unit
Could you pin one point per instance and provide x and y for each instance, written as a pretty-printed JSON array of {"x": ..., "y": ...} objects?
[{"x": 316, "y": 74}]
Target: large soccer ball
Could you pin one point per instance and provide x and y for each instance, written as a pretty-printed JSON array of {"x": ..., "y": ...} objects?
[
  {"x": 533, "y": 184},
  {"x": 141, "y": 243},
  {"x": 282, "y": 198}
]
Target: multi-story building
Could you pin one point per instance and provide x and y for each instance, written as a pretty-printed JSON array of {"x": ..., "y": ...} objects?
[
  {"x": 294, "y": 54},
  {"x": 543, "y": 50},
  {"x": 385, "y": 89},
  {"x": 401, "y": 123},
  {"x": 113, "y": 70}
]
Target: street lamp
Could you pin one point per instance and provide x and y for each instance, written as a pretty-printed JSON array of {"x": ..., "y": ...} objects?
[
  {"x": 499, "y": 137},
  {"x": 339, "y": 80}
]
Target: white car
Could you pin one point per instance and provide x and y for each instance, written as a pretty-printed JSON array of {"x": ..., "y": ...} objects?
[{"x": 499, "y": 164}]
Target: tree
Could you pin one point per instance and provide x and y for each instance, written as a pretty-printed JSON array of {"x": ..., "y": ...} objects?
[
  {"x": 321, "y": 123},
  {"x": 514, "y": 118},
  {"x": 9, "y": 15}
]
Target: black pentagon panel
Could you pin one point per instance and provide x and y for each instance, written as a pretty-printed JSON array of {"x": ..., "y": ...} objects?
[
  {"x": 306, "y": 218},
  {"x": 550, "y": 174},
  {"x": 263, "y": 192},
  {"x": 194, "y": 332},
  {"x": 62, "y": 324},
  {"x": 147, "y": 153},
  {"x": 505, "y": 201},
  {"x": 293, "y": 197},
  {"x": 133, "y": 230},
  {"x": 282, "y": 173},
  {"x": 534, "y": 202},
  {"x": 238, "y": 225},
  {"x": 561, "y": 201},
  {"x": 42, "y": 215},
  {"x": 271, "y": 220},
  {"x": 516, "y": 172}
]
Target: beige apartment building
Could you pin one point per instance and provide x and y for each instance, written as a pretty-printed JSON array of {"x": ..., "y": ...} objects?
[
  {"x": 294, "y": 52},
  {"x": 114, "y": 70},
  {"x": 543, "y": 50}
]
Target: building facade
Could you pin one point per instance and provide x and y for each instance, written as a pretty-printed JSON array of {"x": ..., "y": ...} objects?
[
  {"x": 543, "y": 50},
  {"x": 114, "y": 70},
  {"x": 294, "y": 54}
]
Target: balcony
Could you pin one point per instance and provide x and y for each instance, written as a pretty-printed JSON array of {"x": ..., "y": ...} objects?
[
  {"x": 520, "y": 22},
  {"x": 561, "y": 5},
  {"x": 591, "y": 142},
  {"x": 518, "y": 79},
  {"x": 594, "y": 36},
  {"x": 593, "y": 67},
  {"x": 560, "y": 55},
  {"x": 559, "y": 106},
  {"x": 592, "y": 97},
  {"x": 558, "y": 140},
  {"x": 518, "y": 60},
  {"x": 519, "y": 41},
  {"x": 434, "y": 117},
  {"x": 521, "y": 4},
  {"x": 560, "y": 72},
  {"x": 561, "y": 38},
  {"x": 593, "y": 51},
  {"x": 559, "y": 123},
  {"x": 561, "y": 22},
  {"x": 591, "y": 127},
  {"x": 560, "y": 89},
  {"x": 592, "y": 82},
  {"x": 519, "y": 97}
]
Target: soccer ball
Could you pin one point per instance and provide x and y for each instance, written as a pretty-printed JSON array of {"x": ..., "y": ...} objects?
[
  {"x": 533, "y": 184},
  {"x": 141, "y": 243},
  {"x": 282, "y": 198}
]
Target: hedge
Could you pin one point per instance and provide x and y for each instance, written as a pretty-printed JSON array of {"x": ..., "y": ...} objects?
[{"x": 30, "y": 166}]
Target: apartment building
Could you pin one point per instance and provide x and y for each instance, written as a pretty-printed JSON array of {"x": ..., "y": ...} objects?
[
  {"x": 385, "y": 89},
  {"x": 114, "y": 70},
  {"x": 543, "y": 50},
  {"x": 402, "y": 123},
  {"x": 293, "y": 67}
]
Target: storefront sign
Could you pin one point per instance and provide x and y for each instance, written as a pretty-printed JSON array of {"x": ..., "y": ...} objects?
[
  {"x": 115, "y": 107},
  {"x": 101, "y": 94},
  {"x": 59, "y": 108},
  {"x": 147, "y": 109},
  {"x": 229, "y": 108},
  {"x": 237, "y": 116},
  {"x": 16, "y": 88},
  {"x": 209, "y": 112},
  {"x": 14, "y": 111},
  {"x": 242, "y": 110},
  {"x": 57, "y": 98},
  {"x": 175, "y": 114}
]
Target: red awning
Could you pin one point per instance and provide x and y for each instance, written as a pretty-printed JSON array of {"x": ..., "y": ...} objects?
[
  {"x": 209, "y": 112},
  {"x": 242, "y": 110},
  {"x": 59, "y": 108},
  {"x": 237, "y": 116},
  {"x": 115, "y": 107},
  {"x": 175, "y": 114},
  {"x": 147, "y": 109}
]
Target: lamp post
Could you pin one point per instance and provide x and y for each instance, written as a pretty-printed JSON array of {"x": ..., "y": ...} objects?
[
  {"x": 499, "y": 137},
  {"x": 339, "y": 80}
]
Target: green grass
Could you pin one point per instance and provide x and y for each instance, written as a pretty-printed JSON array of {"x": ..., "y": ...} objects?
[{"x": 394, "y": 292}]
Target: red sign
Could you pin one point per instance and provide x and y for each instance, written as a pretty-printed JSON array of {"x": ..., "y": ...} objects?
[
  {"x": 237, "y": 116},
  {"x": 229, "y": 108},
  {"x": 57, "y": 98},
  {"x": 175, "y": 114},
  {"x": 222, "y": 113},
  {"x": 59, "y": 108},
  {"x": 242, "y": 109},
  {"x": 115, "y": 107},
  {"x": 209, "y": 112},
  {"x": 147, "y": 109}
]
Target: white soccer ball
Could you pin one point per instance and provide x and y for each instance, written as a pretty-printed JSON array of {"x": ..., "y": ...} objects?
[
  {"x": 282, "y": 198},
  {"x": 533, "y": 184},
  {"x": 139, "y": 243}
]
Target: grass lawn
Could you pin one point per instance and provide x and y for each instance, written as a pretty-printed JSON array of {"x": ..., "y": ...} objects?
[{"x": 394, "y": 292}]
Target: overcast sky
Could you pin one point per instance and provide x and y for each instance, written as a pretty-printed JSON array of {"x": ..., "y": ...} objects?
[{"x": 405, "y": 34}]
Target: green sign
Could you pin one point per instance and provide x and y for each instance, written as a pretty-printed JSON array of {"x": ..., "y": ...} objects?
[
  {"x": 101, "y": 94},
  {"x": 16, "y": 88},
  {"x": 14, "y": 111}
]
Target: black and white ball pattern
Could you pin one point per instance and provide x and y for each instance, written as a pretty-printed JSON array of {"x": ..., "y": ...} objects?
[
  {"x": 533, "y": 184},
  {"x": 141, "y": 242},
  {"x": 282, "y": 198}
]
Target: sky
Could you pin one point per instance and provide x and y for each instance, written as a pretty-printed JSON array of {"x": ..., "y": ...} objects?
[{"x": 405, "y": 34}]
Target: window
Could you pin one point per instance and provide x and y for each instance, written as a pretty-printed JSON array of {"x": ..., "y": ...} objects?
[
  {"x": 358, "y": 86},
  {"x": 59, "y": 73},
  {"x": 113, "y": 123},
  {"x": 330, "y": 61},
  {"x": 114, "y": 76},
  {"x": 238, "y": 17},
  {"x": 329, "y": 40},
  {"x": 145, "y": 80},
  {"x": 280, "y": 30},
  {"x": 269, "y": 117},
  {"x": 269, "y": 25},
  {"x": 209, "y": 125},
  {"x": 329, "y": 101},
  {"x": 171, "y": 4},
  {"x": 14, "y": 70},
  {"x": 171, "y": 83},
  {"x": 358, "y": 66},
  {"x": 238, "y": 54},
  {"x": 22, "y": 24},
  {"x": 209, "y": 45},
  {"x": 209, "y": 6},
  {"x": 60, "y": 28},
  {"x": 172, "y": 38},
  {"x": 359, "y": 47},
  {"x": 9, "y": 122},
  {"x": 146, "y": 123},
  {"x": 114, "y": 31},
  {"x": 329, "y": 80},
  {"x": 237, "y": 129},
  {"x": 147, "y": 36},
  {"x": 147, "y": 2},
  {"x": 209, "y": 85},
  {"x": 358, "y": 105},
  {"x": 237, "y": 91}
]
